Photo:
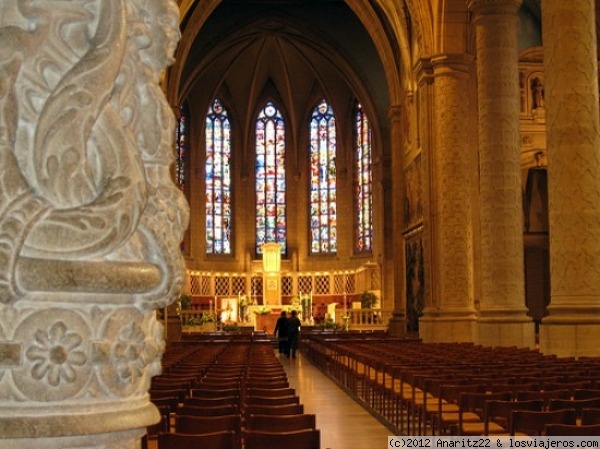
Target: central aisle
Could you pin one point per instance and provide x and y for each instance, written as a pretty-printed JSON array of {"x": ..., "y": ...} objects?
[{"x": 344, "y": 424}]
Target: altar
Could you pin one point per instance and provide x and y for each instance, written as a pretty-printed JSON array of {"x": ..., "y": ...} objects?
[{"x": 266, "y": 321}]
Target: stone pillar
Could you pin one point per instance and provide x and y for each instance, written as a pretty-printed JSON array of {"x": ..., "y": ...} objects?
[
  {"x": 503, "y": 320},
  {"x": 571, "y": 93},
  {"x": 397, "y": 324},
  {"x": 90, "y": 220},
  {"x": 452, "y": 316}
]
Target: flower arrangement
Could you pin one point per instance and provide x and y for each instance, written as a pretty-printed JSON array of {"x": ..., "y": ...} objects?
[
  {"x": 262, "y": 310},
  {"x": 208, "y": 317},
  {"x": 330, "y": 324},
  {"x": 243, "y": 301},
  {"x": 291, "y": 307}
]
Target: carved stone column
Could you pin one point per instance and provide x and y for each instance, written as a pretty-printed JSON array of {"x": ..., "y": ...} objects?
[
  {"x": 503, "y": 319},
  {"x": 397, "y": 324},
  {"x": 571, "y": 93},
  {"x": 90, "y": 221},
  {"x": 452, "y": 316}
]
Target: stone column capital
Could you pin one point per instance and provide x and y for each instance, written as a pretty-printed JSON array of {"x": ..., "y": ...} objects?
[
  {"x": 423, "y": 70},
  {"x": 452, "y": 62},
  {"x": 494, "y": 7}
]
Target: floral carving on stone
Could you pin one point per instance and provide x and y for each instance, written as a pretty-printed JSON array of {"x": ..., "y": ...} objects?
[{"x": 55, "y": 354}]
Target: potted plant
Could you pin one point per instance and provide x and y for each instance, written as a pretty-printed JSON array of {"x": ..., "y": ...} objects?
[{"x": 368, "y": 299}]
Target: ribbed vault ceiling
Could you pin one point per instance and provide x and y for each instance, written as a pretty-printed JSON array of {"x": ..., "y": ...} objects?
[{"x": 290, "y": 50}]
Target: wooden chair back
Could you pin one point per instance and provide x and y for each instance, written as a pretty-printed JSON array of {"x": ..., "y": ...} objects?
[
  {"x": 213, "y": 440},
  {"x": 208, "y": 411},
  {"x": 586, "y": 393},
  {"x": 300, "y": 439},
  {"x": 172, "y": 402},
  {"x": 572, "y": 430},
  {"x": 188, "y": 424},
  {"x": 205, "y": 424},
  {"x": 499, "y": 412},
  {"x": 534, "y": 423},
  {"x": 543, "y": 395},
  {"x": 287, "y": 409},
  {"x": 207, "y": 392},
  {"x": 266, "y": 383},
  {"x": 577, "y": 404},
  {"x": 279, "y": 400},
  {"x": 471, "y": 410},
  {"x": 212, "y": 402},
  {"x": 590, "y": 416},
  {"x": 282, "y": 423},
  {"x": 179, "y": 393},
  {"x": 270, "y": 392}
]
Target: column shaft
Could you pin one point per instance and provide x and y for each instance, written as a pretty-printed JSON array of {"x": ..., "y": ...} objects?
[
  {"x": 503, "y": 319},
  {"x": 397, "y": 325},
  {"x": 452, "y": 316},
  {"x": 571, "y": 93}
]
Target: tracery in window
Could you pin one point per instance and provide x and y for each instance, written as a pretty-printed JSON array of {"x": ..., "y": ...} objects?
[
  {"x": 323, "y": 188},
  {"x": 363, "y": 176},
  {"x": 270, "y": 187},
  {"x": 218, "y": 179}
]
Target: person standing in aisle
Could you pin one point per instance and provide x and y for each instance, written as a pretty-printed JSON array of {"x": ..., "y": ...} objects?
[
  {"x": 293, "y": 332},
  {"x": 282, "y": 334}
]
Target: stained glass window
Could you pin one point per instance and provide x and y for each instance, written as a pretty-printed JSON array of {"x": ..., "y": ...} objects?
[
  {"x": 323, "y": 213},
  {"x": 181, "y": 143},
  {"x": 218, "y": 179},
  {"x": 270, "y": 178},
  {"x": 363, "y": 176},
  {"x": 181, "y": 135}
]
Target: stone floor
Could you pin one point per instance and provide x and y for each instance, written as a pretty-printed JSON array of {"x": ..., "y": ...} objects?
[{"x": 344, "y": 423}]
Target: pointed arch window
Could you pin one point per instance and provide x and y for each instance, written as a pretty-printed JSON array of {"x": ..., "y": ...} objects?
[
  {"x": 181, "y": 136},
  {"x": 363, "y": 180},
  {"x": 270, "y": 187},
  {"x": 323, "y": 185},
  {"x": 218, "y": 179}
]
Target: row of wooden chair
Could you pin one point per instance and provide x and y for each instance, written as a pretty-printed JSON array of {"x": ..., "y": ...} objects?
[
  {"x": 240, "y": 399},
  {"x": 444, "y": 388}
]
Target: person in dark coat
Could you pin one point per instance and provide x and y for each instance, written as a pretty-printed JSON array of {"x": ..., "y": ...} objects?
[
  {"x": 281, "y": 333},
  {"x": 293, "y": 332}
]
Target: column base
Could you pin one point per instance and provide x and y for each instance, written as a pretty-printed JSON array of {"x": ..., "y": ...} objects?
[
  {"x": 506, "y": 327},
  {"x": 571, "y": 336},
  {"x": 448, "y": 325},
  {"x": 397, "y": 325},
  {"x": 130, "y": 439}
]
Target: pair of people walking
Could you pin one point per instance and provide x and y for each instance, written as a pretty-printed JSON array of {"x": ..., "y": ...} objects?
[{"x": 287, "y": 331}]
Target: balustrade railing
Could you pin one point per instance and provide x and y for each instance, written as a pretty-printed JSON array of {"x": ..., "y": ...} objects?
[
  {"x": 355, "y": 319},
  {"x": 374, "y": 318}
]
